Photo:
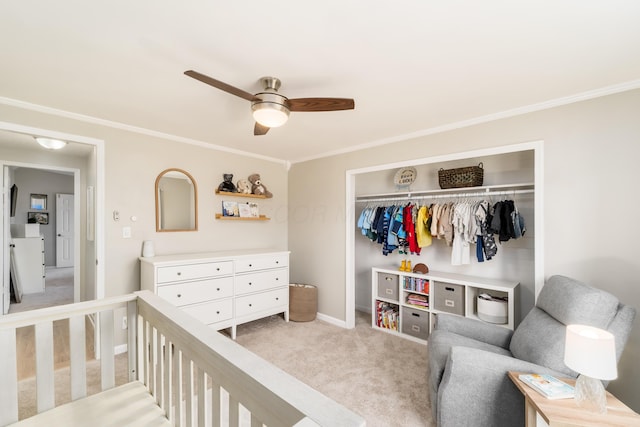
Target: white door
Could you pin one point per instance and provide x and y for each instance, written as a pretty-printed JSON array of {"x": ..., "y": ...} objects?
[{"x": 64, "y": 230}]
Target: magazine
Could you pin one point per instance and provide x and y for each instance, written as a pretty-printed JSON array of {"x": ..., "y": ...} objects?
[{"x": 548, "y": 386}]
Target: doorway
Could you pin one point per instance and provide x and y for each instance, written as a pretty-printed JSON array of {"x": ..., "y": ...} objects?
[
  {"x": 42, "y": 215},
  {"x": 17, "y": 149}
]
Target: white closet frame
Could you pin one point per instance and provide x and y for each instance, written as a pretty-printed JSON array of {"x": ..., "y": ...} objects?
[{"x": 350, "y": 180}]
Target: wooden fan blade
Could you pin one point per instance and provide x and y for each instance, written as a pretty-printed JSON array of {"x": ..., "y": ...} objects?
[
  {"x": 321, "y": 104},
  {"x": 220, "y": 85},
  {"x": 258, "y": 129}
]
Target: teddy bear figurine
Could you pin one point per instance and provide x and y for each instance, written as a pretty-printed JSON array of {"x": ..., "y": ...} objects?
[
  {"x": 244, "y": 186},
  {"x": 227, "y": 184},
  {"x": 257, "y": 187}
]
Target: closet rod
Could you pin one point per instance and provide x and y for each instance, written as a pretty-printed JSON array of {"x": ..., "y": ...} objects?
[{"x": 409, "y": 196}]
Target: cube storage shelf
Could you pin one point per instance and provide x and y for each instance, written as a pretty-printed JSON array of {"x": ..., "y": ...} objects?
[{"x": 407, "y": 303}]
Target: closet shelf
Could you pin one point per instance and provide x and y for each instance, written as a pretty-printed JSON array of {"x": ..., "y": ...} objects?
[{"x": 489, "y": 190}]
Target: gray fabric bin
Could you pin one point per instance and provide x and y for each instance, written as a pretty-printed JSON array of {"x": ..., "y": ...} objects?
[
  {"x": 448, "y": 298},
  {"x": 415, "y": 322},
  {"x": 388, "y": 286}
]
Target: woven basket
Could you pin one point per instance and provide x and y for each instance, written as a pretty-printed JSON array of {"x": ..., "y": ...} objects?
[{"x": 470, "y": 176}]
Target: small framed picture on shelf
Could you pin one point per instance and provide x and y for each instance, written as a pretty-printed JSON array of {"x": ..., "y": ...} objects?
[
  {"x": 248, "y": 210},
  {"x": 230, "y": 208}
]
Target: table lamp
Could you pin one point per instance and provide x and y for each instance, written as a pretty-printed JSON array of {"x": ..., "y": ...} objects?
[{"x": 591, "y": 352}]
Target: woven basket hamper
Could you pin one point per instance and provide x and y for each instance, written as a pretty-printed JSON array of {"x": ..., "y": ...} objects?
[{"x": 470, "y": 176}]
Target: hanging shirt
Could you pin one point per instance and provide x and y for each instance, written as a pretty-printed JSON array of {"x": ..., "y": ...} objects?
[
  {"x": 423, "y": 234},
  {"x": 410, "y": 230}
]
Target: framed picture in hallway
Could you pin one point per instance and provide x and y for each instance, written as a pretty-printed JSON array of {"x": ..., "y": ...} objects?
[
  {"x": 39, "y": 202},
  {"x": 38, "y": 218}
]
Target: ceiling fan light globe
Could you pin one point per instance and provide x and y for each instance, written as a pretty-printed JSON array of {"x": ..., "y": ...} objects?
[{"x": 270, "y": 114}]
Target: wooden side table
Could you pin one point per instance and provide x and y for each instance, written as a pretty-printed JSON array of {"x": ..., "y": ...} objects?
[{"x": 566, "y": 413}]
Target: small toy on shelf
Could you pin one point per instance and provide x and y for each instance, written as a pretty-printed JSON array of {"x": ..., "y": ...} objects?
[
  {"x": 227, "y": 184},
  {"x": 257, "y": 187},
  {"x": 244, "y": 186},
  {"x": 421, "y": 268}
]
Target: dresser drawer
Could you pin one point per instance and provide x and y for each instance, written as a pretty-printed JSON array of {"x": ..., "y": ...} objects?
[
  {"x": 256, "y": 303},
  {"x": 193, "y": 292},
  {"x": 211, "y": 312},
  {"x": 262, "y": 281},
  {"x": 194, "y": 271},
  {"x": 261, "y": 263}
]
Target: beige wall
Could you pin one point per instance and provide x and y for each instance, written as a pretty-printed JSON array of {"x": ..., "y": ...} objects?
[{"x": 590, "y": 160}]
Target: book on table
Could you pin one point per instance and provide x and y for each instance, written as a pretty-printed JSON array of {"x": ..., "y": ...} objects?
[{"x": 548, "y": 386}]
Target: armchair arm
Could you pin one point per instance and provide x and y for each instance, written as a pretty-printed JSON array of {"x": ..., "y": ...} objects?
[
  {"x": 476, "y": 329},
  {"x": 476, "y": 391}
]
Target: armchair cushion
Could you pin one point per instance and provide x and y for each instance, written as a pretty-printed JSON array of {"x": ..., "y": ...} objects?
[{"x": 589, "y": 306}]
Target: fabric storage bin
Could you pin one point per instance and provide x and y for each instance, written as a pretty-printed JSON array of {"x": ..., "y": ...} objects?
[
  {"x": 449, "y": 298},
  {"x": 388, "y": 286},
  {"x": 415, "y": 323},
  {"x": 303, "y": 302},
  {"x": 492, "y": 311}
]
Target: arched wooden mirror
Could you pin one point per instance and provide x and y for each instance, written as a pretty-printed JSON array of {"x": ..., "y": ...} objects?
[{"x": 176, "y": 201}]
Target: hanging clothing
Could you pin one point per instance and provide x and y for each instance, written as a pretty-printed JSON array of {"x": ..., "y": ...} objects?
[
  {"x": 410, "y": 229},
  {"x": 423, "y": 233}
]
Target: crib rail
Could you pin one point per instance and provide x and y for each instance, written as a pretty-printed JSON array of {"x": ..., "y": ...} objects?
[{"x": 196, "y": 375}]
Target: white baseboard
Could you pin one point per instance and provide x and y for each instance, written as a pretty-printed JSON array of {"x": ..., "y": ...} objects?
[
  {"x": 119, "y": 349},
  {"x": 332, "y": 320}
]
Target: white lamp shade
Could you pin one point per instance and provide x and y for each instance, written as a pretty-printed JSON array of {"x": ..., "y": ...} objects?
[
  {"x": 269, "y": 114},
  {"x": 591, "y": 351}
]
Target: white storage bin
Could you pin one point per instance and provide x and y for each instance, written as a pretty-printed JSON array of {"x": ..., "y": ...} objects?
[{"x": 493, "y": 311}]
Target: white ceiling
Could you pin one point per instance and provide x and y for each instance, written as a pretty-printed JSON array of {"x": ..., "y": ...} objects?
[{"x": 413, "y": 67}]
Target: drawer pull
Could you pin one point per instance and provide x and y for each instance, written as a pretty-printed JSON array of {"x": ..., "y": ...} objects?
[
  {"x": 277, "y": 262},
  {"x": 179, "y": 295},
  {"x": 250, "y": 265},
  {"x": 250, "y": 283},
  {"x": 217, "y": 289},
  {"x": 179, "y": 273},
  {"x": 250, "y": 305},
  {"x": 277, "y": 299},
  {"x": 218, "y": 312},
  {"x": 277, "y": 278},
  {"x": 218, "y": 269}
]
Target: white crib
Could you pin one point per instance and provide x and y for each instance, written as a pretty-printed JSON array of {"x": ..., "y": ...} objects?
[{"x": 181, "y": 373}]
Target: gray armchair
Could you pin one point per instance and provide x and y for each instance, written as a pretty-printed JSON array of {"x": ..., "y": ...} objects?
[{"x": 469, "y": 359}]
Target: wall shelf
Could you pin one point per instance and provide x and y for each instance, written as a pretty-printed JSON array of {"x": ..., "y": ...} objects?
[
  {"x": 239, "y": 218},
  {"x": 253, "y": 196}
]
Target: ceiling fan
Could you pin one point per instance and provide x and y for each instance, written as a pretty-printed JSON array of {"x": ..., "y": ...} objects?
[{"x": 270, "y": 109}]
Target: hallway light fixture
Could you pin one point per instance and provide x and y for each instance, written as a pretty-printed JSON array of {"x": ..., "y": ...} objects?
[{"x": 50, "y": 143}]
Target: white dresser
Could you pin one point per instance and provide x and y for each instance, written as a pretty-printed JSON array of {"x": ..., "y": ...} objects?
[
  {"x": 28, "y": 254},
  {"x": 222, "y": 289}
]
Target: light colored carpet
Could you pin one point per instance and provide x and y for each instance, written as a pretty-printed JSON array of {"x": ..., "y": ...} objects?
[
  {"x": 381, "y": 377},
  {"x": 58, "y": 289}
]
